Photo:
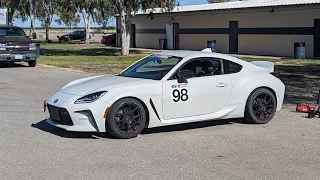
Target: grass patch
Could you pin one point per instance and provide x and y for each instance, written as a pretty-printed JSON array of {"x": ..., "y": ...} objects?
[
  {"x": 285, "y": 61},
  {"x": 93, "y": 58},
  {"x": 91, "y": 64}
]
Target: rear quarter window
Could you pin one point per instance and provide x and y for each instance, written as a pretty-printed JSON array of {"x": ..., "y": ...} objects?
[{"x": 231, "y": 67}]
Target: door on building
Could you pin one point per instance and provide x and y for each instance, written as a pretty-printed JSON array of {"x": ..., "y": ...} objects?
[
  {"x": 176, "y": 35},
  {"x": 233, "y": 37},
  {"x": 316, "y": 37},
  {"x": 133, "y": 36},
  {"x": 172, "y": 36}
]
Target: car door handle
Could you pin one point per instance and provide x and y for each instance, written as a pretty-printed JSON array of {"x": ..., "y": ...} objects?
[{"x": 222, "y": 84}]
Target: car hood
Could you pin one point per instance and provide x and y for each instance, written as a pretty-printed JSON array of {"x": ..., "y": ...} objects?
[{"x": 101, "y": 83}]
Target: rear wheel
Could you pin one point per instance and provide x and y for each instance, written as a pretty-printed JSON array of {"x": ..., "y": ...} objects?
[
  {"x": 261, "y": 106},
  {"x": 32, "y": 63},
  {"x": 126, "y": 118}
]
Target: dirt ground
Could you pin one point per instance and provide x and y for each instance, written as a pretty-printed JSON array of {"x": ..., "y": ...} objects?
[{"x": 302, "y": 82}]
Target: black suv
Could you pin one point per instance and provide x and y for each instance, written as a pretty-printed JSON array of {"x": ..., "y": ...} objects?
[
  {"x": 74, "y": 35},
  {"x": 15, "y": 46}
]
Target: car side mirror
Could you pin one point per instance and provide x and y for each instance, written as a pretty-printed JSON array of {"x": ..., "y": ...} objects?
[
  {"x": 184, "y": 75},
  {"x": 28, "y": 37}
]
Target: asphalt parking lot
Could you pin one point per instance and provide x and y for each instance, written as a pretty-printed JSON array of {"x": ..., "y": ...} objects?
[{"x": 286, "y": 148}]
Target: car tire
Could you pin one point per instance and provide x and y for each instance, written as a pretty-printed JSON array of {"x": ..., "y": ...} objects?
[
  {"x": 126, "y": 118},
  {"x": 32, "y": 63},
  {"x": 113, "y": 43},
  {"x": 261, "y": 106}
]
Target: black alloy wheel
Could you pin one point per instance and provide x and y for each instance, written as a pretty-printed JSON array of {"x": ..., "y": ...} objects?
[
  {"x": 261, "y": 106},
  {"x": 126, "y": 118}
]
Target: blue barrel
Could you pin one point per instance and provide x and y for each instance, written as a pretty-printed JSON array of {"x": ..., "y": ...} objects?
[
  {"x": 300, "y": 50},
  {"x": 212, "y": 44}
]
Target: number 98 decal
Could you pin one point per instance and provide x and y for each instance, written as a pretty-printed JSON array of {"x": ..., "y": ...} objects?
[{"x": 180, "y": 95}]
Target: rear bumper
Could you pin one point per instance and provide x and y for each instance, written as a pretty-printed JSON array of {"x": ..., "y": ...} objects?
[{"x": 17, "y": 57}]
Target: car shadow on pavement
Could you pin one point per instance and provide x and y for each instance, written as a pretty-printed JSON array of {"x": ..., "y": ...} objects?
[
  {"x": 44, "y": 126},
  {"x": 11, "y": 65},
  {"x": 189, "y": 126}
]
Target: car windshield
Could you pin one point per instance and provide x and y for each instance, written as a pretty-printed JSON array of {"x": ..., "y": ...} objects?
[
  {"x": 12, "y": 32},
  {"x": 152, "y": 67},
  {"x": 73, "y": 32}
]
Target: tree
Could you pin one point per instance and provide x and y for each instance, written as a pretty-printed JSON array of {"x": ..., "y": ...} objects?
[
  {"x": 45, "y": 13},
  {"x": 218, "y": 1},
  {"x": 90, "y": 10},
  {"x": 32, "y": 13},
  {"x": 93, "y": 11},
  {"x": 67, "y": 13},
  {"x": 27, "y": 9},
  {"x": 125, "y": 10},
  {"x": 12, "y": 6}
]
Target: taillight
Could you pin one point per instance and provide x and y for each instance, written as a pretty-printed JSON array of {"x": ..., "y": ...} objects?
[{"x": 275, "y": 74}]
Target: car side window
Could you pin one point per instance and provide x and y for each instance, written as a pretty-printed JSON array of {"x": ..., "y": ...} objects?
[
  {"x": 203, "y": 67},
  {"x": 231, "y": 67}
]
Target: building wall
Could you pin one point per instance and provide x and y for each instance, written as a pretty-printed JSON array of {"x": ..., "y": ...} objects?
[{"x": 261, "y": 32}]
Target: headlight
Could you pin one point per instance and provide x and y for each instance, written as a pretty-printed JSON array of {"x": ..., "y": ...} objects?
[
  {"x": 32, "y": 47},
  {"x": 91, "y": 97},
  {"x": 2, "y": 47}
]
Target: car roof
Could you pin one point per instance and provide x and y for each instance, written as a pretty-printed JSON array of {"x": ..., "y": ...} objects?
[
  {"x": 185, "y": 53},
  {"x": 196, "y": 54}
]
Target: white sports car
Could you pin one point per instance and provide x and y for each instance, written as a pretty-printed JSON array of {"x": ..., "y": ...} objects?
[{"x": 167, "y": 88}]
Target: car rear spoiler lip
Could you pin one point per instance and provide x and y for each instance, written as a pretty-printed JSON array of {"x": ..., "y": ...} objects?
[{"x": 267, "y": 65}]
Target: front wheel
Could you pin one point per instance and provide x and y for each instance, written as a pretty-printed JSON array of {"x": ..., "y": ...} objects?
[
  {"x": 32, "y": 63},
  {"x": 261, "y": 106},
  {"x": 126, "y": 118},
  {"x": 113, "y": 43}
]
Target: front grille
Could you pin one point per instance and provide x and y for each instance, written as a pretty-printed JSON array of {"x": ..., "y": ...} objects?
[
  {"x": 18, "y": 49},
  {"x": 60, "y": 115}
]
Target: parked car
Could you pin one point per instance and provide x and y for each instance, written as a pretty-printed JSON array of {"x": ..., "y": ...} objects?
[
  {"x": 109, "y": 40},
  {"x": 167, "y": 88},
  {"x": 15, "y": 46},
  {"x": 74, "y": 35}
]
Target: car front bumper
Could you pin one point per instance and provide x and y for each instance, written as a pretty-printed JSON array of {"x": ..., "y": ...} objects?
[
  {"x": 17, "y": 57},
  {"x": 87, "y": 117},
  {"x": 82, "y": 126}
]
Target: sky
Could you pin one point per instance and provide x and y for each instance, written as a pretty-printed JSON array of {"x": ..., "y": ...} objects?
[{"x": 19, "y": 23}]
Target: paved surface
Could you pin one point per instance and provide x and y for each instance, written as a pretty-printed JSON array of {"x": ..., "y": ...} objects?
[{"x": 286, "y": 148}]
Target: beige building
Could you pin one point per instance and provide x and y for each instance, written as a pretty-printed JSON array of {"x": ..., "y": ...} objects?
[{"x": 257, "y": 27}]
